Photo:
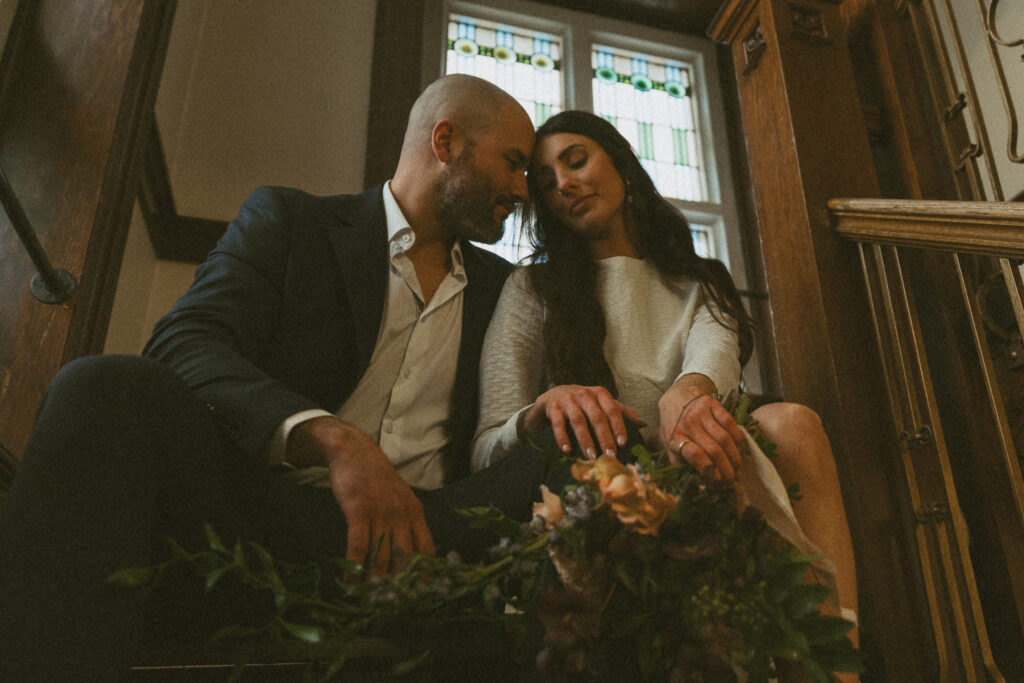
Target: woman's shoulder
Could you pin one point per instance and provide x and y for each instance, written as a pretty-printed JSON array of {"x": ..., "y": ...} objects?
[{"x": 519, "y": 288}]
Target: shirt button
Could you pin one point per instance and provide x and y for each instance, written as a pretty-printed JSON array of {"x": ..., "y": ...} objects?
[
  {"x": 389, "y": 427},
  {"x": 407, "y": 374}
]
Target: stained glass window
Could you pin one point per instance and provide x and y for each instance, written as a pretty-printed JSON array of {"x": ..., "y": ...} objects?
[
  {"x": 703, "y": 241},
  {"x": 526, "y": 64},
  {"x": 650, "y": 101}
]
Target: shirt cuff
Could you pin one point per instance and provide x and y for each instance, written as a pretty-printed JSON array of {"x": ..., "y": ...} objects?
[
  {"x": 276, "y": 448},
  {"x": 494, "y": 444}
]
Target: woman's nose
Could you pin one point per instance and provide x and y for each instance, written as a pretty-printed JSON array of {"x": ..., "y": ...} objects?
[{"x": 566, "y": 184}]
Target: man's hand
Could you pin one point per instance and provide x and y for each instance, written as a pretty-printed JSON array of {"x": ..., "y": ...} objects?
[
  {"x": 696, "y": 428},
  {"x": 580, "y": 406},
  {"x": 379, "y": 506}
]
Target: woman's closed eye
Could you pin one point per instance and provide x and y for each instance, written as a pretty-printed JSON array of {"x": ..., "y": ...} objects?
[{"x": 577, "y": 163}]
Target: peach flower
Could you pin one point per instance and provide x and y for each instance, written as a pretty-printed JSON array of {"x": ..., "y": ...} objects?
[
  {"x": 599, "y": 471},
  {"x": 550, "y": 507},
  {"x": 637, "y": 502}
]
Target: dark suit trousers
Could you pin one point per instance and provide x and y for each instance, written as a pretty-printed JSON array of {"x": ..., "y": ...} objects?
[{"x": 123, "y": 455}]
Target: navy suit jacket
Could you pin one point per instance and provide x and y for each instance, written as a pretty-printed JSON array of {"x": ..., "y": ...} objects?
[{"x": 284, "y": 314}]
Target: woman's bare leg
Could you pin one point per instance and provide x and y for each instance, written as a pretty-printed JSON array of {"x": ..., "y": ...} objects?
[{"x": 805, "y": 457}]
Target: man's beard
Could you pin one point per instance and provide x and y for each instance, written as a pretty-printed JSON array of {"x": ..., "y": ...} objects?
[{"x": 465, "y": 203}]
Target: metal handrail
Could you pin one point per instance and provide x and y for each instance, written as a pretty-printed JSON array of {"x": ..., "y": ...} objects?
[{"x": 50, "y": 285}]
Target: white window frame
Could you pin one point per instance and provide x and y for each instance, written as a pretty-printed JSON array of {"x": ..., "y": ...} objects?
[{"x": 578, "y": 31}]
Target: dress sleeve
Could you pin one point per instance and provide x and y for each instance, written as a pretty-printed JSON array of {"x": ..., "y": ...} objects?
[
  {"x": 511, "y": 369},
  {"x": 712, "y": 349}
]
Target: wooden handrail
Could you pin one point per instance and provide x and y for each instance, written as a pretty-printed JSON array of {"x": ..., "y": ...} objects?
[{"x": 991, "y": 228}]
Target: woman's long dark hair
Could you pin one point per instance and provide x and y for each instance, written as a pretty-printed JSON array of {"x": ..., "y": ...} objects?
[{"x": 564, "y": 273}]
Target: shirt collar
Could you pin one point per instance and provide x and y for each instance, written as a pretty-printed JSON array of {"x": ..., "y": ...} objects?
[{"x": 401, "y": 236}]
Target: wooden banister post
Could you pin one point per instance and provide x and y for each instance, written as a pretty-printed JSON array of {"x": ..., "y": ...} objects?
[
  {"x": 807, "y": 142},
  {"x": 77, "y": 86}
]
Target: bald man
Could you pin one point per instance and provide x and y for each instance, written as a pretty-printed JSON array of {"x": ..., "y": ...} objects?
[{"x": 314, "y": 390}]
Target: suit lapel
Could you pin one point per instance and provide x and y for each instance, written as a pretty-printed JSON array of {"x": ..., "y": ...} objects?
[
  {"x": 479, "y": 298},
  {"x": 359, "y": 240}
]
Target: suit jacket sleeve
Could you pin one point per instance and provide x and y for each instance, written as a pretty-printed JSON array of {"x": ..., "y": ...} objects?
[{"x": 221, "y": 334}]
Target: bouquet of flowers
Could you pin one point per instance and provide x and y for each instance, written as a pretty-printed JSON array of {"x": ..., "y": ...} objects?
[
  {"x": 638, "y": 571},
  {"x": 663, "y": 578}
]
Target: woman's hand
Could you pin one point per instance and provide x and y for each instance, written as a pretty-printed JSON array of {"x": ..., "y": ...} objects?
[
  {"x": 581, "y": 406},
  {"x": 698, "y": 429}
]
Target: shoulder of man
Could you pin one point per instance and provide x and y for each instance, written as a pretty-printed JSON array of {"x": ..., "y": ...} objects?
[{"x": 485, "y": 263}]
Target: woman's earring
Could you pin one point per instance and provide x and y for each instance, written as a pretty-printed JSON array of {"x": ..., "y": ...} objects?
[{"x": 629, "y": 193}]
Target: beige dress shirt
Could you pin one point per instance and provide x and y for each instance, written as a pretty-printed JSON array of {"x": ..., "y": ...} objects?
[{"x": 404, "y": 398}]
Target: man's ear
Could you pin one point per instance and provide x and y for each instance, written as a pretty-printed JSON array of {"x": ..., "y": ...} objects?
[{"x": 442, "y": 140}]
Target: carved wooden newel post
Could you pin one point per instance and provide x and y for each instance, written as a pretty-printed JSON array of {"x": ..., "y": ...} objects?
[{"x": 807, "y": 142}]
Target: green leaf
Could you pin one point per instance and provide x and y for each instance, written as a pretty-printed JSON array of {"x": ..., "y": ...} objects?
[
  {"x": 825, "y": 629},
  {"x": 741, "y": 413},
  {"x": 626, "y": 577},
  {"x": 305, "y": 632},
  {"x": 643, "y": 456},
  {"x": 216, "y": 575},
  {"x": 177, "y": 552},
  {"x": 132, "y": 576},
  {"x": 805, "y": 558},
  {"x": 239, "y": 554},
  {"x": 803, "y": 599},
  {"x": 839, "y": 656},
  {"x": 239, "y": 668},
  {"x": 793, "y": 491},
  {"x": 410, "y": 665},
  {"x": 490, "y": 517},
  {"x": 815, "y": 672},
  {"x": 339, "y": 661},
  {"x": 785, "y": 579},
  {"x": 214, "y": 540}
]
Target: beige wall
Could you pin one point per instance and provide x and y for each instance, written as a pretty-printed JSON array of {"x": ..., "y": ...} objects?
[{"x": 254, "y": 92}]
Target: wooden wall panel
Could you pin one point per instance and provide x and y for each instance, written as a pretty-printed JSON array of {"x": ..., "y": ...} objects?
[
  {"x": 77, "y": 86},
  {"x": 807, "y": 142}
]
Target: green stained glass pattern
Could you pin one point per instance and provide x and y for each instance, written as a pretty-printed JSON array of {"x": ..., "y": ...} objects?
[
  {"x": 542, "y": 112},
  {"x": 680, "y": 148},
  {"x": 649, "y": 100},
  {"x": 645, "y": 140},
  {"x": 524, "y": 63}
]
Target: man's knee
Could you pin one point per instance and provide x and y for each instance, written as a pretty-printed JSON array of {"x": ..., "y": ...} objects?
[
  {"x": 98, "y": 403},
  {"x": 100, "y": 377}
]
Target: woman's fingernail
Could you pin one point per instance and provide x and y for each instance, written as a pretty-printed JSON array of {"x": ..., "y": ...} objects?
[
  {"x": 621, "y": 441},
  {"x": 610, "y": 451},
  {"x": 566, "y": 448},
  {"x": 591, "y": 453}
]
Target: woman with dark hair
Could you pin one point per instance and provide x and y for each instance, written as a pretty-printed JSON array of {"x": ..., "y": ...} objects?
[{"x": 617, "y": 320}]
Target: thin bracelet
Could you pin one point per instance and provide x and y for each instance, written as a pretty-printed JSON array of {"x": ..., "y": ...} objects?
[{"x": 687, "y": 404}]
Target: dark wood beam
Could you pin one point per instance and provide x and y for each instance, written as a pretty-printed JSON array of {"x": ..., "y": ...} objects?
[
  {"x": 77, "y": 86},
  {"x": 174, "y": 237},
  {"x": 692, "y": 17},
  {"x": 396, "y": 77}
]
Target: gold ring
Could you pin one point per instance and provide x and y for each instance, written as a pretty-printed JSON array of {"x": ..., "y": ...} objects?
[{"x": 681, "y": 445}]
